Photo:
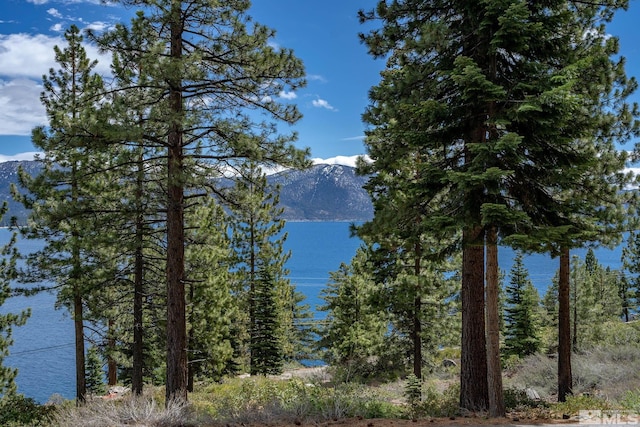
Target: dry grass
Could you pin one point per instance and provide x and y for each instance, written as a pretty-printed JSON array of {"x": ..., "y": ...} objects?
[{"x": 132, "y": 411}]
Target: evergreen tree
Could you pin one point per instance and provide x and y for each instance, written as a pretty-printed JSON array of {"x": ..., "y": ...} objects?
[
  {"x": 355, "y": 327},
  {"x": 95, "y": 373},
  {"x": 63, "y": 197},
  {"x": 209, "y": 261},
  {"x": 522, "y": 335},
  {"x": 630, "y": 292},
  {"x": 214, "y": 68},
  {"x": 258, "y": 240},
  {"x": 265, "y": 344},
  {"x": 8, "y": 320},
  {"x": 490, "y": 101}
]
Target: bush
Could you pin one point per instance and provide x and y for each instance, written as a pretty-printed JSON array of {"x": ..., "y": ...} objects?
[
  {"x": 436, "y": 404},
  {"x": 132, "y": 411},
  {"x": 582, "y": 402},
  {"x": 263, "y": 400},
  {"x": 17, "y": 410}
]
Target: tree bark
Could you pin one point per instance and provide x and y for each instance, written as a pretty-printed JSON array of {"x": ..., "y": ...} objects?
[
  {"x": 417, "y": 324},
  {"x": 473, "y": 369},
  {"x": 176, "y": 384},
  {"x": 564, "y": 328},
  {"x": 494, "y": 368},
  {"x": 138, "y": 289},
  {"x": 81, "y": 385}
]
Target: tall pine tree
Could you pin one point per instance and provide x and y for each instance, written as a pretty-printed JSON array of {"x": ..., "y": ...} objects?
[{"x": 489, "y": 101}]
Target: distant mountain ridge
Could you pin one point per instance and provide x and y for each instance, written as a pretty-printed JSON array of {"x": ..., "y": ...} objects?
[{"x": 324, "y": 192}]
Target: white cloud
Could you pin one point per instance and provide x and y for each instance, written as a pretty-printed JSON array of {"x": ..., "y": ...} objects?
[
  {"x": 322, "y": 103},
  {"x": 98, "y": 26},
  {"x": 316, "y": 77},
  {"x": 58, "y": 28},
  {"x": 20, "y": 107},
  {"x": 20, "y": 156},
  {"x": 287, "y": 95},
  {"x": 38, "y": 2},
  {"x": 54, "y": 12},
  {"x": 27, "y": 55},
  {"x": 341, "y": 160},
  {"x": 24, "y": 59}
]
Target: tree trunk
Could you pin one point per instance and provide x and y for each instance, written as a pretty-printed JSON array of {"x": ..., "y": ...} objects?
[
  {"x": 494, "y": 369},
  {"x": 176, "y": 387},
  {"x": 138, "y": 289},
  {"x": 564, "y": 328},
  {"x": 417, "y": 325},
  {"x": 473, "y": 369},
  {"x": 81, "y": 386}
]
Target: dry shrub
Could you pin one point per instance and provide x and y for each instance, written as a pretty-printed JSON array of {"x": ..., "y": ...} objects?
[
  {"x": 602, "y": 372},
  {"x": 132, "y": 411}
]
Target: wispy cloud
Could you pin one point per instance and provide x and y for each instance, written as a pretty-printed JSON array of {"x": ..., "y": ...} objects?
[
  {"x": 322, "y": 103},
  {"x": 316, "y": 77},
  {"x": 354, "y": 138}
]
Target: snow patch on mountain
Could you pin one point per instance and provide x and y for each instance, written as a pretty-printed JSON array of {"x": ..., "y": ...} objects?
[
  {"x": 18, "y": 157},
  {"x": 341, "y": 160}
]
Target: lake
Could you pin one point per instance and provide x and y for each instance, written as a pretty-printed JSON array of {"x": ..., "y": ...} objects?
[{"x": 43, "y": 348}]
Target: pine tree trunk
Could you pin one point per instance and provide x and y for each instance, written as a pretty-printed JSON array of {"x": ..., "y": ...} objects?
[
  {"x": 417, "y": 325},
  {"x": 81, "y": 386},
  {"x": 494, "y": 369},
  {"x": 473, "y": 369},
  {"x": 176, "y": 384},
  {"x": 138, "y": 292},
  {"x": 564, "y": 328}
]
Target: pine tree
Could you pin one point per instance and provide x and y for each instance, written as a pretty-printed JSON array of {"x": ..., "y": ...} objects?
[
  {"x": 209, "y": 262},
  {"x": 258, "y": 239},
  {"x": 214, "y": 68},
  {"x": 355, "y": 327},
  {"x": 521, "y": 312},
  {"x": 630, "y": 291},
  {"x": 95, "y": 373},
  {"x": 63, "y": 197},
  {"x": 266, "y": 344},
  {"x": 490, "y": 101},
  {"x": 8, "y": 320}
]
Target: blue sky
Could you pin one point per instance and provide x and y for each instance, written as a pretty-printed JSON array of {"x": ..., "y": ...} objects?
[{"x": 324, "y": 34}]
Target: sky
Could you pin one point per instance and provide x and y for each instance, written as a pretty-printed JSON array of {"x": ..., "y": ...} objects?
[{"x": 324, "y": 34}]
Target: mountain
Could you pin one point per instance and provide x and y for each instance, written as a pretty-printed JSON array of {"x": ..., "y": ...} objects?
[
  {"x": 324, "y": 192},
  {"x": 8, "y": 177}
]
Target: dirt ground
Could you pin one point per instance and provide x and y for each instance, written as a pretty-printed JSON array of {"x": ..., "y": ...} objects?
[{"x": 432, "y": 422}]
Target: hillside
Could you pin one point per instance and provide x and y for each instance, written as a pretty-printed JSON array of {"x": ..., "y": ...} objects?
[
  {"x": 323, "y": 193},
  {"x": 320, "y": 193}
]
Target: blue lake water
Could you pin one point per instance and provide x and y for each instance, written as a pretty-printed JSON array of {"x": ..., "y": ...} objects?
[{"x": 43, "y": 348}]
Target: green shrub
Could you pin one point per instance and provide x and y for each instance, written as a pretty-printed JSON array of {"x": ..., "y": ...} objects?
[
  {"x": 17, "y": 410},
  {"x": 517, "y": 399},
  {"x": 436, "y": 404},
  {"x": 582, "y": 402}
]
